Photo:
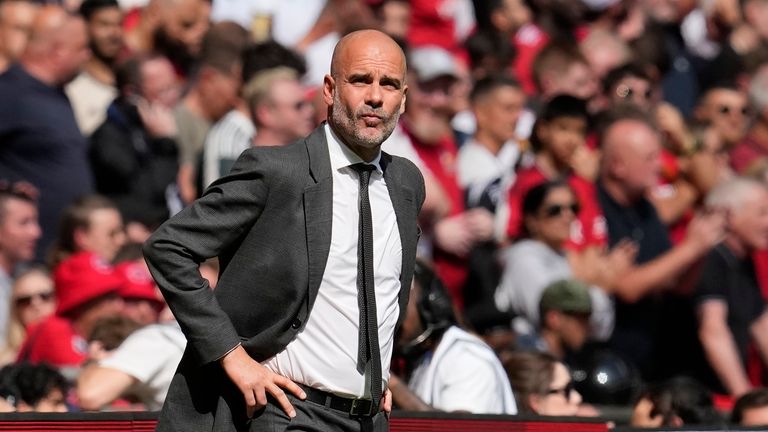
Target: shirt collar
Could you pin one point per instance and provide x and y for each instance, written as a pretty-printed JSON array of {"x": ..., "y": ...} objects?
[{"x": 342, "y": 156}]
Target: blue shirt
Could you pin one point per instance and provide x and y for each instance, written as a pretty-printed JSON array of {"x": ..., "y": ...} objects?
[{"x": 41, "y": 144}]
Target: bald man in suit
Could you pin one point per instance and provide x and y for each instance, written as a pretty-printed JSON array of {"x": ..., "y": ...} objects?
[{"x": 288, "y": 338}]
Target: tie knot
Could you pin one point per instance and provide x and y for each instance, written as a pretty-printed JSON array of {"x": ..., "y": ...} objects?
[{"x": 364, "y": 171}]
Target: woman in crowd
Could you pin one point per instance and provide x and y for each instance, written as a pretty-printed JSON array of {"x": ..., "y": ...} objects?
[
  {"x": 549, "y": 211},
  {"x": 32, "y": 300},
  {"x": 542, "y": 385}
]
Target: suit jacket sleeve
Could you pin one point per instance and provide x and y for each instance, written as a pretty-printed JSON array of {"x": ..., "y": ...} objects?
[{"x": 212, "y": 224}]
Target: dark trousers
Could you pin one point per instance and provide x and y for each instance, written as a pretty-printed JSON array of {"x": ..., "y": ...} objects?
[{"x": 313, "y": 417}]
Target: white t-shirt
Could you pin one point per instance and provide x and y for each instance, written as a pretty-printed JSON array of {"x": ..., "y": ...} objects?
[
  {"x": 463, "y": 374},
  {"x": 150, "y": 355}
]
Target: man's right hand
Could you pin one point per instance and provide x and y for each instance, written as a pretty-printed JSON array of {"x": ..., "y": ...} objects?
[{"x": 255, "y": 381}]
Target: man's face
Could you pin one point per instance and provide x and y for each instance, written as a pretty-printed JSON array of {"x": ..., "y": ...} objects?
[
  {"x": 562, "y": 136},
  {"x": 641, "y": 158},
  {"x": 105, "y": 29},
  {"x": 638, "y": 91},
  {"x": 73, "y": 50},
  {"x": 104, "y": 236},
  {"x": 577, "y": 80},
  {"x": 367, "y": 95},
  {"x": 575, "y": 330},
  {"x": 728, "y": 112},
  {"x": 220, "y": 91},
  {"x": 292, "y": 114},
  {"x": 185, "y": 24},
  {"x": 19, "y": 231},
  {"x": 498, "y": 113},
  {"x": 749, "y": 223},
  {"x": 159, "y": 83},
  {"x": 15, "y": 24},
  {"x": 756, "y": 15}
]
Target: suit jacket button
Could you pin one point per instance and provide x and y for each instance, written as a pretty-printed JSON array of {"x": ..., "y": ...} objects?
[{"x": 296, "y": 323}]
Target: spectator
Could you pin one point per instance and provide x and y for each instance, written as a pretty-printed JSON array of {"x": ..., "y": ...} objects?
[
  {"x": 108, "y": 333},
  {"x": 179, "y": 32},
  {"x": 562, "y": 69},
  {"x": 86, "y": 289},
  {"x": 564, "y": 310},
  {"x": 604, "y": 50},
  {"x": 133, "y": 154},
  {"x": 531, "y": 264},
  {"x": 141, "y": 299},
  {"x": 729, "y": 302},
  {"x": 542, "y": 385},
  {"x": 32, "y": 301},
  {"x": 19, "y": 233},
  {"x": 214, "y": 92},
  {"x": 278, "y": 107},
  {"x": 751, "y": 409},
  {"x": 726, "y": 108},
  {"x": 91, "y": 224},
  {"x": 41, "y": 141},
  {"x": 677, "y": 402},
  {"x": 16, "y": 17},
  {"x": 454, "y": 370},
  {"x": 489, "y": 158},
  {"x": 95, "y": 88},
  {"x": 394, "y": 17},
  {"x": 129, "y": 371},
  {"x": 38, "y": 388},
  {"x": 755, "y": 144},
  {"x": 630, "y": 83},
  {"x": 629, "y": 169}
]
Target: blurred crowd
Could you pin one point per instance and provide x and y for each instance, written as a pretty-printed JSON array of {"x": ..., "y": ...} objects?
[{"x": 595, "y": 230}]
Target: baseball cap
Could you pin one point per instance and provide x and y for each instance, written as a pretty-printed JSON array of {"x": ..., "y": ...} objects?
[
  {"x": 567, "y": 295},
  {"x": 431, "y": 62},
  {"x": 81, "y": 278},
  {"x": 137, "y": 282}
]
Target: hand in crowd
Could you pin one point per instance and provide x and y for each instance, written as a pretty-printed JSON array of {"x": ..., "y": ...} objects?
[
  {"x": 672, "y": 125},
  {"x": 157, "y": 118},
  {"x": 585, "y": 162},
  {"x": 707, "y": 229},
  {"x": 479, "y": 221},
  {"x": 255, "y": 381},
  {"x": 618, "y": 261},
  {"x": 453, "y": 235}
]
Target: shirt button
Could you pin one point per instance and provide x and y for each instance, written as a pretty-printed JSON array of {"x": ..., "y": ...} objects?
[{"x": 296, "y": 323}]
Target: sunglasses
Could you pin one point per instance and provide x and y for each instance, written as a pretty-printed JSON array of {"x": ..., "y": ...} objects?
[
  {"x": 556, "y": 210},
  {"x": 27, "y": 300},
  {"x": 726, "y": 110},
  {"x": 566, "y": 391}
]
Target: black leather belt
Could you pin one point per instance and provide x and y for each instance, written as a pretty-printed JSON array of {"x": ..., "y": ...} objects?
[{"x": 352, "y": 406}]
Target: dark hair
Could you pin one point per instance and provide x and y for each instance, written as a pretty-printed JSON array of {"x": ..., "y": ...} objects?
[
  {"x": 128, "y": 72},
  {"x": 76, "y": 216},
  {"x": 489, "y": 50},
  {"x": 485, "y": 86},
  {"x": 530, "y": 374},
  {"x": 111, "y": 331},
  {"x": 222, "y": 46},
  {"x": 682, "y": 397},
  {"x": 536, "y": 196},
  {"x": 564, "y": 106},
  {"x": 269, "y": 55},
  {"x": 619, "y": 73},
  {"x": 435, "y": 306},
  {"x": 10, "y": 191},
  {"x": 90, "y": 7},
  {"x": 36, "y": 382},
  {"x": 757, "y": 398}
]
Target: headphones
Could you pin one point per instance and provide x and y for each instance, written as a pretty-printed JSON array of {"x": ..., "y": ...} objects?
[{"x": 434, "y": 306}]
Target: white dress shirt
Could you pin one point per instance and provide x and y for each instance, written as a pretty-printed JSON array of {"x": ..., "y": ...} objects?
[{"x": 324, "y": 354}]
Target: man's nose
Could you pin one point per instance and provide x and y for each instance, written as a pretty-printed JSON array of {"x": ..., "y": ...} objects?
[{"x": 374, "y": 97}]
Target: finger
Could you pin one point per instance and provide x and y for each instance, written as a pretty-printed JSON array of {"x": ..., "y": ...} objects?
[
  {"x": 282, "y": 399},
  {"x": 250, "y": 403},
  {"x": 386, "y": 402},
  {"x": 290, "y": 386}
]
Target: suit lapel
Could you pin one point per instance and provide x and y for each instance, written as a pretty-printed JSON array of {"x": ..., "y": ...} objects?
[
  {"x": 403, "y": 201},
  {"x": 318, "y": 209}
]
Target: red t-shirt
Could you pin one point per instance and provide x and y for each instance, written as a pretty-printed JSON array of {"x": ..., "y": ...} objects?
[
  {"x": 528, "y": 41},
  {"x": 54, "y": 341},
  {"x": 440, "y": 159},
  {"x": 746, "y": 152},
  {"x": 432, "y": 24},
  {"x": 589, "y": 228}
]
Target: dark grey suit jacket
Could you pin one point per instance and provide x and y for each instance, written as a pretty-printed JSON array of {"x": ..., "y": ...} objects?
[{"x": 269, "y": 222}]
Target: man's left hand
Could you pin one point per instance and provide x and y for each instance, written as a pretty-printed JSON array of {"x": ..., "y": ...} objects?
[{"x": 386, "y": 402}]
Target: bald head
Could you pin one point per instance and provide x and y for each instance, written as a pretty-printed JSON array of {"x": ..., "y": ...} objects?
[
  {"x": 57, "y": 47},
  {"x": 365, "y": 91},
  {"x": 374, "y": 41},
  {"x": 631, "y": 151}
]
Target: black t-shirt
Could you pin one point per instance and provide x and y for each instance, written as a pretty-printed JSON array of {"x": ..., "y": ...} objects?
[
  {"x": 727, "y": 278},
  {"x": 41, "y": 144},
  {"x": 639, "y": 326}
]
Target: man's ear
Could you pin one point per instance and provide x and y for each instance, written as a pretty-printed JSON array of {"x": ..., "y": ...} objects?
[
  {"x": 402, "y": 103},
  {"x": 329, "y": 89}
]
